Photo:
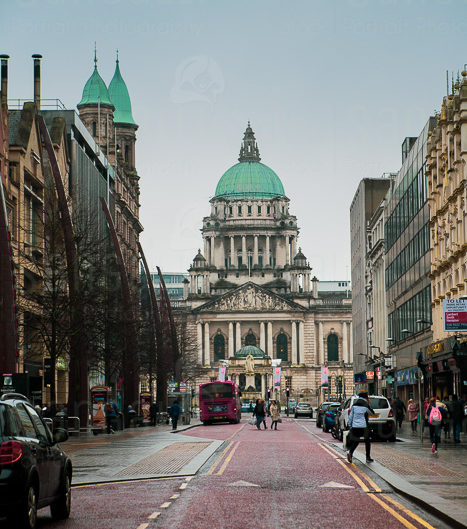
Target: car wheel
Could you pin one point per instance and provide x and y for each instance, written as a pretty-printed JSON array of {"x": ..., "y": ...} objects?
[
  {"x": 295, "y": 415},
  {"x": 61, "y": 508},
  {"x": 26, "y": 518},
  {"x": 325, "y": 428},
  {"x": 340, "y": 434},
  {"x": 392, "y": 439},
  {"x": 318, "y": 424}
]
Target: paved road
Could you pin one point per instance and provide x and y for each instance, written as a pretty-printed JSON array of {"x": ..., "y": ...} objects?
[{"x": 256, "y": 479}]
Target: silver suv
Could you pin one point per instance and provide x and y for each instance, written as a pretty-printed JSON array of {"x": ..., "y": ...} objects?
[
  {"x": 382, "y": 423},
  {"x": 304, "y": 409}
]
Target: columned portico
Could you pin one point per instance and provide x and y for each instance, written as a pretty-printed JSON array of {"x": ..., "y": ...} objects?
[
  {"x": 267, "y": 257},
  {"x": 231, "y": 340},
  {"x": 244, "y": 255},
  {"x": 294, "y": 342},
  {"x": 199, "y": 327},
  {"x": 232, "y": 252},
  {"x": 262, "y": 336},
  {"x": 207, "y": 352},
  {"x": 345, "y": 350},
  {"x": 270, "y": 350},
  {"x": 238, "y": 338},
  {"x": 301, "y": 342},
  {"x": 255, "y": 251}
]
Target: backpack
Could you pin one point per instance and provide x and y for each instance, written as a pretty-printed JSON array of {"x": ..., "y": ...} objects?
[
  {"x": 109, "y": 408},
  {"x": 435, "y": 416}
]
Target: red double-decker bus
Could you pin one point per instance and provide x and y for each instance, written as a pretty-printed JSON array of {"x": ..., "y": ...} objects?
[{"x": 219, "y": 401}]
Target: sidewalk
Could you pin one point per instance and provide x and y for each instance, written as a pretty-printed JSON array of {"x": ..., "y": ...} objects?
[
  {"x": 438, "y": 482},
  {"x": 139, "y": 453}
]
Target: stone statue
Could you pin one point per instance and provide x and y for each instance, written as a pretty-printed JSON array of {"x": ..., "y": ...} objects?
[{"x": 249, "y": 365}]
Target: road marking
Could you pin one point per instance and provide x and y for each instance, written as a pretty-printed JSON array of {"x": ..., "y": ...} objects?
[
  {"x": 238, "y": 431},
  {"x": 165, "y": 505},
  {"x": 227, "y": 459},
  {"x": 174, "y": 496},
  {"x": 393, "y": 512},
  {"x": 189, "y": 478},
  {"x": 242, "y": 483},
  {"x": 356, "y": 478},
  {"x": 124, "y": 482},
  {"x": 182, "y": 486},
  {"x": 218, "y": 460},
  {"x": 328, "y": 450},
  {"x": 154, "y": 515},
  {"x": 334, "y": 485},
  {"x": 142, "y": 526},
  {"x": 408, "y": 512}
]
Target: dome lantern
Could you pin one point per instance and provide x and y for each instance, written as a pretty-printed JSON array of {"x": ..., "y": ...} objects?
[{"x": 95, "y": 90}]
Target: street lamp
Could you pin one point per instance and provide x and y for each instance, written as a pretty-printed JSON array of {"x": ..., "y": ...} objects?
[{"x": 406, "y": 331}]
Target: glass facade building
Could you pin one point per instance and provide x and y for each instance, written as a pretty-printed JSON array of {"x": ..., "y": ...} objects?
[{"x": 408, "y": 256}]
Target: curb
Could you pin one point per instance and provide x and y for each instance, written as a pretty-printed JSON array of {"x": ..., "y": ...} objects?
[
  {"x": 187, "y": 427},
  {"x": 444, "y": 509}
]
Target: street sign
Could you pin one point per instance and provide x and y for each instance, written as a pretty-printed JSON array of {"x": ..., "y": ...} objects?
[{"x": 454, "y": 315}]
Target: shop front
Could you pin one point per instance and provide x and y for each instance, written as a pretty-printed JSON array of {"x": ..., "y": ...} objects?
[
  {"x": 409, "y": 382},
  {"x": 445, "y": 365}
]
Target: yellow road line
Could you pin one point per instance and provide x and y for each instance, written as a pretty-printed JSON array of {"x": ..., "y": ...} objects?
[
  {"x": 393, "y": 512},
  {"x": 165, "y": 505},
  {"x": 142, "y": 526},
  {"x": 122, "y": 482},
  {"x": 154, "y": 515},
  {"x": 182, "y": 486},
  {"x": 328, "y": 450},
  {"x": 408, "y": 512},
  {"x": 238, "y": 431},
  {"x": 219, "y": 458},
  {"x": 352, "y": 473},
  {"x": 227, "y": 459}
]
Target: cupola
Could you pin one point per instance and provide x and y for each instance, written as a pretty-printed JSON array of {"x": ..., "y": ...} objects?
[
  {"x": 95, "y": 91},
  {"x": 120, "y": 98}
]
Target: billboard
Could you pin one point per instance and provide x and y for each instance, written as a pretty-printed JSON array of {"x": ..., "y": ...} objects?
[{"x": 454, "y": 315}]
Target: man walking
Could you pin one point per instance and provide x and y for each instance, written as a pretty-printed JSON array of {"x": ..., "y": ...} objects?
[
  {"x": 358, "y": 424},
  {"x": 174, "y": 412},
  {"x": 399, "y": 411},
  {"x": 110, "y": 410}
]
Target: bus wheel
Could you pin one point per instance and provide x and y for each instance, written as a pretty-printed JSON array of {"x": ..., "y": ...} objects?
[{"x": 205, "y": 423}]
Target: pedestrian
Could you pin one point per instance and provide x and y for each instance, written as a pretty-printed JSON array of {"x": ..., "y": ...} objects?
[
  {"x": 359, "y": 427},
  {"x": 447, "y": 420},
  {"x": 275, "y": 412},
  {"x": 412, "y": 408},
  {"x": 434, "y": 416},
  {"x": 260, "y": 413},
  {"x": 174, "y": 412},
  {"x": 399, "y": 411},
  {"x": 457, "y": 415},
  {"x": 110, "y": 410},
  {"x": 153, "y": 413}
]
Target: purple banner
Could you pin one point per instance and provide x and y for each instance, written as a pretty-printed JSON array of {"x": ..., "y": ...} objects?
[
  {"x": 222, "y": 373},
  {"x": 277, "y": 377}
]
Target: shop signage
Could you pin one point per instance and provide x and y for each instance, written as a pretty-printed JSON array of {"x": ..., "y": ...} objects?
[
  {"x": 378, "y": 373},
  {"x": 407, "y": 377},
  {"x": 182, "y": 386},
  {"x": 454, "y": 315},
  {"x": 172, "y": 386},
  {"x": 358, "y": 378},
  {"x": 370, "y": 375},
  {"x": 435, "y": 348}
]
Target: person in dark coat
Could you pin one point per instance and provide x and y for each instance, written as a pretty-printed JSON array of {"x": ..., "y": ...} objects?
[
  {"x": 399, "y": 410},
  {"x": 110, "y": 410},
  {"x": 153, "y": 413},
  {"x": 457, "y": 416},
  {"x": 260, "y": 413},
  {"x": 174, "y": 412}
]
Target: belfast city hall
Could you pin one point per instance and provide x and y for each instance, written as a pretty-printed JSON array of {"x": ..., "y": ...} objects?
[{"x": 252, "y": 302}]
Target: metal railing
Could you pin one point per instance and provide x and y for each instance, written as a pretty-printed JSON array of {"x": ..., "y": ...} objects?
[{"x": 46, "y": 104}]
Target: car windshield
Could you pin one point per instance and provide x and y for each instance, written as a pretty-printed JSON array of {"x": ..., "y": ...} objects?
[
  {"x": 303, "y": 405},
  {"x": 333, "y": 407},
  {"x": 217, "y": 391},
  {"x": 378, "y": 403}
]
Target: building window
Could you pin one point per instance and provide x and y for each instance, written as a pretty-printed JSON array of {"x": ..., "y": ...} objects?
[
  {"x": 230, "y": 210},
  {"x": 94, "y": 128},
  {"x": 258, "y": 382},
  {"x": 288, "y": 382},
  {"x": 242, "y": 381},
  {"x": 281, "y": 347},
  {"x": 250, "y": 338},
  {"x": 259, "y": 210},
  {"x": 249, "y": 210},
  {"x": 268, "y": 210},
  {"x": 239, "y": 209},
  {"x": 333, "y": 348},
  {"x": 219, "y": 347},
  {"x": 127, "y": 153}
]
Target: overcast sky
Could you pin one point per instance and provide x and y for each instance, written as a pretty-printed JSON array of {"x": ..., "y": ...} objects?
[{"x": 331, "y": 89}]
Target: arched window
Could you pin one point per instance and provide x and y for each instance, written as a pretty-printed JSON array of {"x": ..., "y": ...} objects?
[
  {"x": 94, "y": 128},
  {"x": 258, "y": 382},
  {"x": 242, "y": 381},
  {"x": 250, "y": 339},
  {"x": 281, "y": 347},
  {"x": 219, "y": 347},
  {"x": 333, "y": 348}
]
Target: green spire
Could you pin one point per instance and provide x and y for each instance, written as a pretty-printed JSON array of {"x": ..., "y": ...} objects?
[
  {"x": 120, "y": 98},
  {"x": 95, "y": 89}
]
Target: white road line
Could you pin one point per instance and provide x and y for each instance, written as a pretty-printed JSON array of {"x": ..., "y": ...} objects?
[
  {"x": 182, "y": 486},
  {"x": 154, "y": 515}
]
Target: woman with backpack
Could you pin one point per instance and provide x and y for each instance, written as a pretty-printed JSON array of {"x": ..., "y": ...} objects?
[{"x": 434, "y": 416}]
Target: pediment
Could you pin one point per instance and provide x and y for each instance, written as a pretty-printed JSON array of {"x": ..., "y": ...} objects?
[{"x": 250, "y": 298}]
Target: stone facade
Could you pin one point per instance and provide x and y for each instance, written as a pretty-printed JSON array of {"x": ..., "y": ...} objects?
[{"x": 253, "y": 286}]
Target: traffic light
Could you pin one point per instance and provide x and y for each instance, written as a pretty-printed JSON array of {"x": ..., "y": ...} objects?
[{"x": 287, "y": 391}]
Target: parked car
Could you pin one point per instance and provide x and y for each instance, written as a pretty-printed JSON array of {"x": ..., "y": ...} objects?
[
  {"x": 34, "y": 471},
  {"x": 320, "y": 413},
  {"x": 330, "y": 416},
  {"x": 382, "y": 423},
  {"x": 304, "y": 409}
]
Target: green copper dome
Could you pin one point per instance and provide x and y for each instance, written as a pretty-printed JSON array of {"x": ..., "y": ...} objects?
[
  {"x": 252, "y": 350},
  {"x": 120, "y": 98},
  {"x": 95, "y": 89},
  {"x": 249, "y": 178}
]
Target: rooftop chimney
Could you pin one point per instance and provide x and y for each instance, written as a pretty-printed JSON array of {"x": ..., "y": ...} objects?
[
  {"x": 37, "y": 81},
  {"x": 4, "y": 76}
]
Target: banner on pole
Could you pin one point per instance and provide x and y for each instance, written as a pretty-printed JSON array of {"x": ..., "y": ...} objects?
[
  {"x": 222, "y": 373},
  {"x": 324, "y": 377},
  {"x": 277, "y": 377}
]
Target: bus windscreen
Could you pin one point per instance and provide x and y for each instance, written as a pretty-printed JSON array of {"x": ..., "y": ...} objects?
[{"x": 217, "y": 391}]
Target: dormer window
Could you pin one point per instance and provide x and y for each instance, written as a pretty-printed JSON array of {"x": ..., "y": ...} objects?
[
  {"x": 268, "y": 210},
  {"x": 259, "y": 210},
  {"x": 239, "y": 211},
  {"x": 249, "y": 210},
  {"x": 230, "y": 210}
]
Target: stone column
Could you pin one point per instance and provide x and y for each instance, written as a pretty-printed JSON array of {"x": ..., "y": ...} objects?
[
  {"x": 267, "y": 260},
  {"x": 221, "y": 260},
  {"x": 351, "y": 344},
  {"x": 231, "y": 340},
  {"x": 206, "y": 249},
  {"x": 287, "y": 249},
  {"x": 270, "y": 350},
  {"x": 345, "y": 350},
  {"x": 232, "y": 252},
  {"x": 199, "y": 328},
  {"x": 255, "y": 251},
  {"x": 301, "y": 342},
  {"x": 263, "y": 387},
  {"x": 207, "y": 352},
  {"x": 294, "y": 342},
  {"x": 321, "y": 343},
  {"x": 294, "y": 248},
  {"x": 238, "y": 340},
  {"x": 212, "y": 258},
  {"x": 262, "y": 336},
  {"x": 244, "y": 255}
]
